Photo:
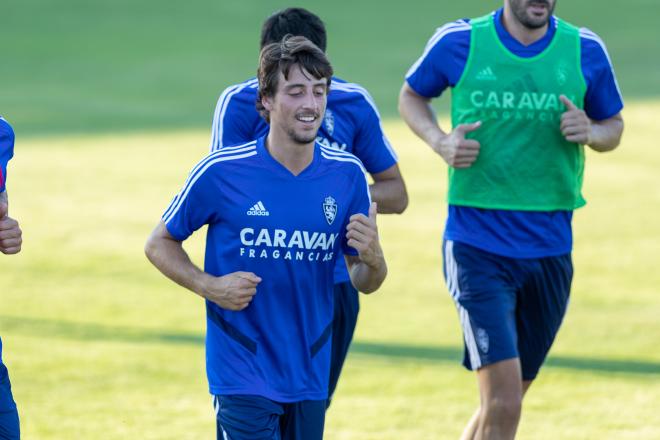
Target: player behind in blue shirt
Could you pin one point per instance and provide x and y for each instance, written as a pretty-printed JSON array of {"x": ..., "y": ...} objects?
[
  {"x": 10, "y": 243},
  {"x": 351, "y": 123},
  {"x": 279, "y": 209},
  {"x": 528, "y": 91}
]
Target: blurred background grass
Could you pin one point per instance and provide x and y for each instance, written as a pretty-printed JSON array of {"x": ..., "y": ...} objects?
[
  {"x": 102, "y": 65},
  {"x": 112, "y": 103}
]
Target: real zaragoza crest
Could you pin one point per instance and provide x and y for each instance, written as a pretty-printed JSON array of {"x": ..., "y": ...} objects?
[
  {"x": 330, "y": 209},
  {"x": 329, "y": 122}
]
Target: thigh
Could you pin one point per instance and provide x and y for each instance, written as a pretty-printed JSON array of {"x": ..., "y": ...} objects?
[
  {"x": 542, "y": 306},
  {"x": 483, "y": 287},
  {"x": 303, "y": 420},
  {"x": 240, "y": 417},
  {"x": 346, "y": 308}
]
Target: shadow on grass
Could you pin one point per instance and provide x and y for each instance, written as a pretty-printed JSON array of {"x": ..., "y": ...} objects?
[{"x": 45, "y": 328}]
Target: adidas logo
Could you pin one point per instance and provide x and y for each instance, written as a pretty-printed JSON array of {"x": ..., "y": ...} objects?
[
  {"x": 486, "y": 75},
  {"x": 258, "y": 209}
]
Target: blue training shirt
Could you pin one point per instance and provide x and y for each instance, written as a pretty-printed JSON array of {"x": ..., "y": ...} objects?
[
  {"x": 289, "y": 231},
  {"x": 6, "y": 153},
  {"x": 6, "y": 150},
  {"x": 518, "y": 234},
  {"x": 351, "y": 123}
]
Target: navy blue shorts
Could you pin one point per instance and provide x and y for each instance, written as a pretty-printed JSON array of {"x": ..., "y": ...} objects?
[
  {"x": 508, "y": 307},
  {"x": 241, "y": 417},
  {"x": 346, "y": 309},
  {"x": 9, "y": 427}
]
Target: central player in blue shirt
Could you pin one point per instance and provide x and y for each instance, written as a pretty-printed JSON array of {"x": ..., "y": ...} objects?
[
  {"x": 10, "y": 243},
  {"x": 351, "y": 123},
  {"x": 279, "y": 210}
]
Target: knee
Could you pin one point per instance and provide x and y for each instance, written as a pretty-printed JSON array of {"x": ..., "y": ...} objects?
[{"x": 503, "y": 408}]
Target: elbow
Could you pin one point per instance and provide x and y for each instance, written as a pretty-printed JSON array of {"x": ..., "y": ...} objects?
[{"x": 402, "y": 202}]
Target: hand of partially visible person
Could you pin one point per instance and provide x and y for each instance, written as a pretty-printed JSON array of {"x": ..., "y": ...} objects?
[
  {"x": 455, "y": 149},
  {"x": 233, "y": 291},
  {"x": 11, "y": 236},
  {"x": 362, "y": 235},
  {"x": 575, "y": 125}
]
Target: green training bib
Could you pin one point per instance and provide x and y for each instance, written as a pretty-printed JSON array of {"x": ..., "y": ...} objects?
[{"x": 524, "y": 162}]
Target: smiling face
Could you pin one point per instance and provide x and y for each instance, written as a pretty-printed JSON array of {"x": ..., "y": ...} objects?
[
  {"x": 297, "y": 107},
  {"x": 532, "y": 14}
]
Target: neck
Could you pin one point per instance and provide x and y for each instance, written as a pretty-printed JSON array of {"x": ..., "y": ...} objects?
[
  {"x": 291, "y": 155},
  {"x": 520, "y": 32}
]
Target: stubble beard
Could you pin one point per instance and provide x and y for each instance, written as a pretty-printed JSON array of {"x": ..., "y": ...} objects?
[{"x": 519, "y": 9}]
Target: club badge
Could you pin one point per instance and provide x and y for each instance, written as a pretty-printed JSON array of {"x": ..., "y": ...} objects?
[
  {"x": 330, "y": 209},
  {"x": 329, "y": 120}
]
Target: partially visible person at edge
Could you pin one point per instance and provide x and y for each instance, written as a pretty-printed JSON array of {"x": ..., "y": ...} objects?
[
  {"x": 351, "y": 123},
  {"x": 278, "y": 210},
  {"x": 10, "y": 243},
  {"x": 528, "y": 91}
]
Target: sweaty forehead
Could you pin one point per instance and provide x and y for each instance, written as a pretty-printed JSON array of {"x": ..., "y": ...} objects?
[{"x": 300, "y": 76}]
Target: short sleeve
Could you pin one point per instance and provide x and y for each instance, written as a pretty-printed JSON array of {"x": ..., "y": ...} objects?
[
  {"x": 603, "y": 98},
  {"x": 235, "y": 118},
  {"x": 6, "y": 150},
  {"x": 371, "y": 145},
  {"x": 442, "y": 63},
  {"x": 195, "y": 205}
]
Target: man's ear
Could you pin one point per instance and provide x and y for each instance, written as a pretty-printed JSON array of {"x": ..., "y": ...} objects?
[{"x": 267, "y": 102}]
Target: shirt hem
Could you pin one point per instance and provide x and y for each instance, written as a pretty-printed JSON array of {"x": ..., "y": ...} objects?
[{"x": 274, "y": 396}]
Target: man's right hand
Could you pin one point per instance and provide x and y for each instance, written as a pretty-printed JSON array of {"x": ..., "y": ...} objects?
[
  {"x": 233, "y": 291},
  {"x": 455, "y": 149},
  {"x": 11, "y": 236}
]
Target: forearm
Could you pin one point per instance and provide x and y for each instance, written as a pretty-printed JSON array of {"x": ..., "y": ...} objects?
[
  {"x": 417, "y": 112},
  {"x": 171, "y": 259},
  {"x": 606, "y": 135},
  {"x": 4, "y": 198},
  {"x": 368, "y": 278}
]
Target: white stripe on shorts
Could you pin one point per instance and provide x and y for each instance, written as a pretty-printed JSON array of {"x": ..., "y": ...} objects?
[{"x": 451, "y": 269}]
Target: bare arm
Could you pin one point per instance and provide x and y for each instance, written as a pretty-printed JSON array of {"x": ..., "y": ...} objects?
[
  {"x": 453, "y": 147},
  {"x": 389, "y": 191},
  {"x": 600, "y": 136},
  {"x": 232, "y": 292},
  {"x": 11, "y": 236},
  {"x": 368, "y": 269}
]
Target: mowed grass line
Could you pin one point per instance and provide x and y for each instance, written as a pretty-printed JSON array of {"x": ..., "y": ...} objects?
[{"x": 99, "y": 345}]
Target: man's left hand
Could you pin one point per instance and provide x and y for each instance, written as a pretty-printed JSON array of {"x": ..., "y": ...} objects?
[
  {"x": 363, "y": 236},
  {"x": 575, "y": 124}
]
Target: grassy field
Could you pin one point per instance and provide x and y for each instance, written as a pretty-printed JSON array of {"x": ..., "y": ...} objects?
[
  {"x": 121, "y": 65},
  {"x": 101, "y": 346}
]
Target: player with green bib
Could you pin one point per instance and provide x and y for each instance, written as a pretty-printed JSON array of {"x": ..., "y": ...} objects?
[{"x": 529, "y": 90}]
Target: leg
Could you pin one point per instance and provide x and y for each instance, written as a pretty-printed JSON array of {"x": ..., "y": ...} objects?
[
  {"x": 483, "y": 287},
  {"x": 241, "y": 417},
  {"x": 470, "y": 431},
  {"x": 500, "y": 386},
  {"x": 346, "y": 309},
  {"x": 9, "y": 425},
  {"x": 303, "y": 420}
]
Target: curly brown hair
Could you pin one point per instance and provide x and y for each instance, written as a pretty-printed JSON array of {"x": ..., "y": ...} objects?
[{"x": 280, "y": 57}]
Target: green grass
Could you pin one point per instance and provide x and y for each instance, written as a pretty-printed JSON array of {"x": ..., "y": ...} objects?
[
  {"x": 100, "y": 345},
  {"x": 88, "y": 66}
]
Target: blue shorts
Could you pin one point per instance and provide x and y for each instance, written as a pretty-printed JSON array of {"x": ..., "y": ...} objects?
[
  {"x": 9, "y": 426},
  {"x": 346, "y": 309},
  {"x": 508, "y": 307},
  {"x": 241, "y": 417}
]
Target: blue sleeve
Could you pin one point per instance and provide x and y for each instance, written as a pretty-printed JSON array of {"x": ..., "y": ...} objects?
[
  {"x": 360, "y": 203},
  {"x": 6, "y": 150},
  {"x": 603, "y": 98},
  {"x": 235, "y": 117},
  {"x": 195, "y": 205},
  {"x": 371, "y": 145},
  {"x": 442, "y": 63}
]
